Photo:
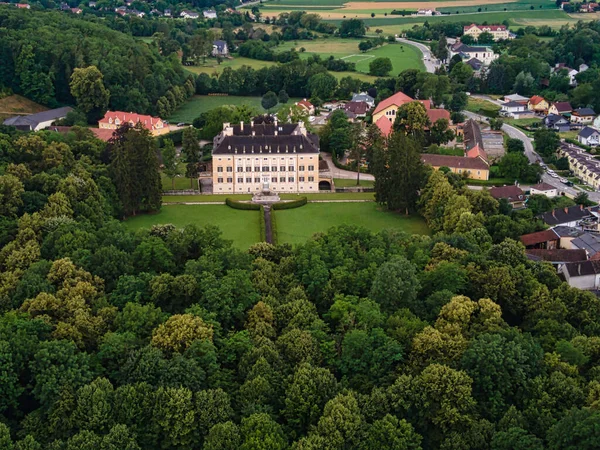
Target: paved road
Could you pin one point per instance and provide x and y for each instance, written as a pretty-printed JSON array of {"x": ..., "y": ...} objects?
[
  {"x": 534, "y": 157},
  {"x": 341, "y": 173},
  {"x": 430, "y": 61}
]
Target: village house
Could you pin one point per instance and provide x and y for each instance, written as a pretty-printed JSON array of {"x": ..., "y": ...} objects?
[
  {"x": 113, "y": 120},
  {"x": 189, "y": 14},
  {"x": 582, "y": 164},
  {"x": 514, "y": 110},
  {"x": 209, "y": 14},
  {"x": 571, "y": 73},
  {"x": 583, "y": 115},
  {"x": 561, "y": 109},
  {"x": 474, "y": 168},
  {"x": 499, "y": 32},
  {"x": 385, "y": 126},
  {"x": 38, "y": 121},
  {"x": 546, "y": 239},
  {"x": 589, "y": 136},
  {"x": 538, "y": 104},
  {"x": 544, "y": 189},
  {"x": 571, "y": 216},
  {"x": 556, "y": 256},
  {"x": 248, "y": 158},
  {"x": 364, "y": 97},
  {"x": 359, "y": 109},
  {"x": 513, "y": 194},
  {"x": 388, "y": 108},
  {"x": 556, "y": 122},
  {"x": 306, "y": 106},
  {"x": 516, "y": 98},
  {"x": 588, "y": 7},
  {"x": 484, "y": 54},
  {"x": 582, "y": 274},
  {"x": 220, "y": 48}
]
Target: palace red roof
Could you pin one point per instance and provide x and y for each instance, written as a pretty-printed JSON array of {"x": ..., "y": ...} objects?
[
  {"x": 147, "y": 122},
  {"x": 398, "y": 99},
  {"x": 490, "y": 27},
  {"x": 477, "y": 152},
  {"x": 436, "y": 114}
]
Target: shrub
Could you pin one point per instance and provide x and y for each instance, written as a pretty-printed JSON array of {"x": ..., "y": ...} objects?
[
  {"x": 241, "y": 205},
  {"x": 290, "y": 205}
]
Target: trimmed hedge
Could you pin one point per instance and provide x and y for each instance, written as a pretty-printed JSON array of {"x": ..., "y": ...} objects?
[
  {"x": 290, "y": 205},
  {"x": 578, "y": 144},
  {"x": 175, "y": 136},
  {"x": 240, "y": 205},
  {"x": 274, "y": 227},
  {"x": 261, "y": 224}
]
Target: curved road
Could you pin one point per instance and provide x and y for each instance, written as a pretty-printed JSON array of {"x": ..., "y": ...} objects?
[
  {"x": 341, "y": 173},
  {"x": 430, "y": 61}
]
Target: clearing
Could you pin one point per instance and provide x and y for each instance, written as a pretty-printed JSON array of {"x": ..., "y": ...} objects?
[
  {"x": 15, "y": 104},
  {"x": 242, "y": 227},
  {"x": 297, "y": 225}
]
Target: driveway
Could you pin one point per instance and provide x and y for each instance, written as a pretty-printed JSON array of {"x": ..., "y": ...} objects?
[
  {"x": 430, "y": 61},
  {"x": 341, "y": 173}
]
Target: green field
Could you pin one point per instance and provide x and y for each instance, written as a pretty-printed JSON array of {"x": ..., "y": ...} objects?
[
  {"x": 297, "y": 225},
  {"x": 203, "y": 103},
  {"x": 242, "y": 227},
  {"x": 180, "y": 182},
  {"x": 351, "y": 182},
  {"x": 482, "y": 107},
  {"x": 402, "y": 56},
  {"x": 211, "y": 66}
]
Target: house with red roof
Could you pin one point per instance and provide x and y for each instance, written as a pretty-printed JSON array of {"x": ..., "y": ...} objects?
[
  {"x": 537, "y": 104},
  {"x": 307, "y": 106},
  {"x": 385, "y": 126},
  {"x": 560, "y": 109},
  {"x": 498, "y": 31},
  {"x": 113, "y": 120}
]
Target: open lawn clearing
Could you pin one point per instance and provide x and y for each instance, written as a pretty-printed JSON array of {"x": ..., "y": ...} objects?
[
  {"x": 15, "y": 104},
  {"x": 297, "y": 225},
  {"x": 213, "y": 198},
  {"x": 242, "y": 227},
  {"x": 202, "y": 103},
  {"x": 213, "y": 67},
  {"x": 351, "y": 182},
  {"x": 523, "y": 122},
  {"x": 180, "y": 182},
  {"x": 482, "y": 107}
]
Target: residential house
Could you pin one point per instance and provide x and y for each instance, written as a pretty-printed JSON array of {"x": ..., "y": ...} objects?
[
  {"x": 596, "y": 123},
  {"x": 76, "y": 10},
  {"x": 561, "y": 109},
  {"x": 92, "y": 4},
  {"x": 426, "y": 12},
  {"x": 364, "y": 97},
  {"x": 544, "y": 189},
  {"x": 333, "y": 105},
  {"x": 389, "y": 106},
  {"x": 571, "y": 73},
  {"x": 582, "y": 164},
  {"x": 588, "y": 7},
  {"x": 167, "y": 12},
  {"x": 99, "y": 133},
  {"x": 436, "y": 114},
  {"x": 484, "y": 54},
  {"x": 583, "y": 115},
  {"x": 209, "y": 14},
  {"x": 359, "y": 109},
  {"x": 476, "y": 65},
  {"x": 514, "y": 194},
  {"x": 189, "y": 14},
  {"x": 514, "y": 110},
  {"x": 472, "y": 135},
  {"x": 582, "y": 274},
  {"x": 516, "y": 98},
  {"x": 113, "y": 120},
  {"x": 385, "y": 126},
  {"x": 589, "y": 136},
  {"x": 248, "y": 158},
  {"x": 477, "y": 152},
  {"x": 556, "y": 122},
  {"x": 546, "y": 239},
  {"x": 474, "y": 168},
  {"x": 498, "y": 31},
  {"x": 538, "y": 104},
  {"x": 307, "y": 106},
  {"x": 567, "y": 234},
  {"x": 571, "y": 216},
  {"x": 220, "y": 48},
  {"x": 589, "y": 242},
  {"x": 23, "y": 6},
  {"x": 38, "y": 121}
]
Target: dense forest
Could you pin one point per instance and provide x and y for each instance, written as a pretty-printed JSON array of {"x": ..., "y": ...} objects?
[
  {"x": 171, "y": 338},
  {"x": 40, "y": 51}
]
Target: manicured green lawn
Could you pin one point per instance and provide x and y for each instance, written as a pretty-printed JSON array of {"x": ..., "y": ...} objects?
[
  {"x": 202, "y": 103},
  {"x": 297, "y": 225},
  {"x": 212, "y": 66},
  {"x": 242, "y": 227},
  {"x": 180, "y": 182},
  {"x": 351, "y": 182}
]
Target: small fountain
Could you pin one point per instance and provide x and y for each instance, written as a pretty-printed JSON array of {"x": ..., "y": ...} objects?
[{"x": 265, "y": 197}]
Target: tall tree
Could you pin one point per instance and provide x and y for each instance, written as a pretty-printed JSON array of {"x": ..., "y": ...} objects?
[
  {"x": 87, "y": 86},
  {"x": 411, "y": 118},
  {"x": 170, "y": 163},
  {"x": 357, "y": 147},
  {"x": 190, "y": 151},
  {"x": 269, "y": 100},
  {"x": 135, "y": 171}
]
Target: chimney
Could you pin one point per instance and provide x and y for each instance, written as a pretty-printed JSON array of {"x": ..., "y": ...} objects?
[
  {"x": 252, "y": 122},
  {"x": 275, "y": 132},
  {"x": 275, "y": 122},
  {"x": 242, "y": 125},
  {"x": 566, "y": 210},
  {"x": 581, "y": 207},
  {"x": 554, "y": 213},
  {"x": 253, "y": 133}
]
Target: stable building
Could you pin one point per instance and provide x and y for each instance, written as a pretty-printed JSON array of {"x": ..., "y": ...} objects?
[
  {"x": 474, "y": 168},
  {"x": 113, "y": 120},
  {"x": 39, "y": 121},
  {"x": 248, "y": 158}
]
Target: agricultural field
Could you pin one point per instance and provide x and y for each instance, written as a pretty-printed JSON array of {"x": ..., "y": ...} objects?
[
  {"x": 402, "y": 56},
  {"x": 212, "y": 67},
  {"x": 15, "y": 104},
  {"x": 242, "y": 227},
  {"x": 297, "y": 225},
  {"x": 202, "y": 103}
]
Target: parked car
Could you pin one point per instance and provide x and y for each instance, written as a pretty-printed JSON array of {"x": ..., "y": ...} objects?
[{"x": 563, "y": 180}]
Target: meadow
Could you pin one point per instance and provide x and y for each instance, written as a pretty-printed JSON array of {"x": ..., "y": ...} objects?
[
  {"x": 295, "y": 226},
  {"x": 241, "y": 227}
]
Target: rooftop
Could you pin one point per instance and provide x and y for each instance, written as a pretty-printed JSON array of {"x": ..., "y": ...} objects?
[
  {"x": 398, "y": 99},
  {"x": 565, "y": 215},
  {"x": 556, "y": 255},
  {"x": 33, "y": 120},
  {"x": 583, "y": 268},
  {"x": 539, "y": 237},
  {"x": 511, "y": 192},
  {"x": 459, "y": 162},
  {"x": 543, "y": 187}
]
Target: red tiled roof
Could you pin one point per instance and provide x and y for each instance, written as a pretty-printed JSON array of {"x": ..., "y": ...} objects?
[
  {"x": 357, "y": 107},
  {"x": 147, "y": 122},
  {"x": 556, "y": 254},
  {"x": 102, "y": 133},
  {"x": 458, "y": 162},
  {"x": 384, "y": 125},
  {"x": 563, "y": 106},
  {"x": 491, "y": 27},
  {"x": 436, "y": 114},
  {"x": 305, "y": 103},
  {"x": 538, "y": 237},
  {"x": 543, "y": 187},
  {"x": 476, "y": 152},
  {"x": 510, "y": 192},
  {"x": 536, "y": 99},
  {"x": 426, "y": 103},
  {"x": 398, "y": 99}
]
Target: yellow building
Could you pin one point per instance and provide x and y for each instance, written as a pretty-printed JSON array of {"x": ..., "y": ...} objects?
[
  {"x": 248, "y": 158},
  {"x": 113, "y": 120},
  {"x": 538, "y": 104},
  {"x": 475, "y": 168},
  {"x": 498, "y": 31},
  {"x": 388, "y": 107}
]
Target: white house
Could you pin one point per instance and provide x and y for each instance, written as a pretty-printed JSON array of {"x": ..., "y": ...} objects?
[
  {"x": 583, "y": 115},
  {"x": 39, "y": 121},
  {"x": 484, "y": 54},
  {"x": 189, "y": 14},
  {"x": 544, "y": 189},
  {"x": 209, "y": 14},
  {"x": 582, "y": 274},
  {"x": 364, "y": 97},
  {"x": 514, "y": 109},
  {"x": 220, "y": 48},
  {"x": 589, "y": 136}
]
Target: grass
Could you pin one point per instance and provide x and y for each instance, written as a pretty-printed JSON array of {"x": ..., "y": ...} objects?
[
  {"x": 482, "y": 107},
  {"x": 511, "y": 6},
  {"x": 219, "y": 198},
  {"x": 297, "y": 225},
  {"x": 181, "y": 182},
  {"x": 15, "y": 104},
  {"x": 351, "y": 182},
  {"x": 523, "y": 122},
  {"x": 212, "y": 67},
  {"x": 242, "y": 227},
  {"x": 569, "y": 135},
  {"x": 202, "y": 103}
]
